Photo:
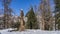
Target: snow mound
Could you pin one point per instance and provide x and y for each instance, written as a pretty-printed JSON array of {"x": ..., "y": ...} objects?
[{"x": 28, "y": 31}]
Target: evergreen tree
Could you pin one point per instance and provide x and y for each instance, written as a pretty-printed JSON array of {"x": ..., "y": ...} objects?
[
  {"x": 32, "y": 20},
  {"x": 57, "y": 14}
]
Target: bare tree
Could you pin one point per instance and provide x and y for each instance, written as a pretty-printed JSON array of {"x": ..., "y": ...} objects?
[
  {"x": 22, "y": 22},
  {"x": 46, "y": 15},
  {"x": 7, "y": 12}
]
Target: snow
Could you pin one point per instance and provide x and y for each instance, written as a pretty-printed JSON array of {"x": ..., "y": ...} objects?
[{"x": 28, "y": 31}]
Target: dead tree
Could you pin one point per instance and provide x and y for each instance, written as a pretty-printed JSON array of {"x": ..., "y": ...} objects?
[{"x": 22, "y": 23}]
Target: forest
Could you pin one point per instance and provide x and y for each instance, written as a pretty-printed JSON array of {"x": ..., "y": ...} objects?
[{"x": 41, "y": 16}]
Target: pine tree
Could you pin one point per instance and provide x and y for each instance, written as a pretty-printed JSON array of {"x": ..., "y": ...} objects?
[
  {"x": 57, "y": 14},
  {"x": 32, "y": 20}
]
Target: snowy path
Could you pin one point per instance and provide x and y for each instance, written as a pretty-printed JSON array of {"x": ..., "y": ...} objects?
[{"x": 29, "y": 32}]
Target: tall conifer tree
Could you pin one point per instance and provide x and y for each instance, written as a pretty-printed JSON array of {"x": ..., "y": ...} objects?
[
  {"x": 57, "y": 14},
  {"x": 32, "y": 20}
]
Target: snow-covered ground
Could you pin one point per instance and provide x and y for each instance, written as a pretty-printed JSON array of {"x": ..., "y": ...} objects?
[{"x": 5, "y": 31}]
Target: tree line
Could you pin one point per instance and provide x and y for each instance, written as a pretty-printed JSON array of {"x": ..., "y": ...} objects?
[{"x": 47, "y": 18}]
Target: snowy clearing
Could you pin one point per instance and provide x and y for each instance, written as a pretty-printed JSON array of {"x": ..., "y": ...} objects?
[{"x": 28, "y": 32}]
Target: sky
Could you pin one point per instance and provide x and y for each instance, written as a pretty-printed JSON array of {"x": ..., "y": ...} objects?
[{"x": 17, "y": 5}]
